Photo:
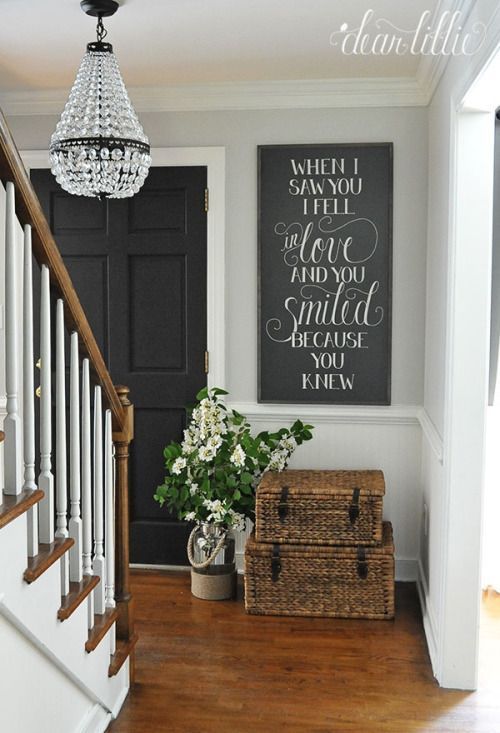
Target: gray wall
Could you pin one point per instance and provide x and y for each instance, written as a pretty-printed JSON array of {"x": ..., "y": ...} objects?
[
  {"x": 240, "y": 133},
  {"x": 387, "y": 438}
]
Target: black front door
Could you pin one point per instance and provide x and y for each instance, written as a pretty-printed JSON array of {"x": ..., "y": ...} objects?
[{"x": 139, "y": 266}]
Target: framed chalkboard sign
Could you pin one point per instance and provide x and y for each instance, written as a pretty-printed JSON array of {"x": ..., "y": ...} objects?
[{"x": 325, "y": 273}]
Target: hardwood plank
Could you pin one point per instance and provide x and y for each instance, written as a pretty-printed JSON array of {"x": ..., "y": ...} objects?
[
  {"x": 207, "y": 666},
  {"x": 102, "y": 624},
  {"x": 77, "y": 593},
  {"x": 124, "y": 648},
  {"x": 13, "y": 506},
  {"x": 47, "y": 556},
  {"x": 2, "y": 436}
]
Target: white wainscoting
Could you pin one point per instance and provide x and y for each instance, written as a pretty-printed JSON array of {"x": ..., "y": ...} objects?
[{"x": 360, "y": 437}]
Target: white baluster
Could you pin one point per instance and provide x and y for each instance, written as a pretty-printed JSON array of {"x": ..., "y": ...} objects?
[
  {"x": 46, "y": 479},
  {"x": 87, "y": 483},
  {"x": 99, "y": 561},
  {"x": 29, "y": 392},
  {"x": 61, "y": 463},
  {"x": 109, "y": 492},
  {"x": 12, "y": 424},
  {"x": 75, "y": 521}
]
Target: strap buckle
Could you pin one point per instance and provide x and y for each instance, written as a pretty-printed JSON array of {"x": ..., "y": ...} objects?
[
  {"x": 362, "y": 566},
  {"x": 275, "y": 563}
]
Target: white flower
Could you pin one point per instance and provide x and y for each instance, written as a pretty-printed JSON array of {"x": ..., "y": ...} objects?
[
  {"x": 190, "y": 517},
  {"x": 178, "y": 465},
  {"x": 215, "y": 442},
  {"x": 193, "y": 489},
  {"x": 288, "y": 443},
  {"x": 278, "y": 459},
  {"x": 238, "y": 456},
  {"x": 237, "y": 520},
  {"x": 206, "y": 453}
]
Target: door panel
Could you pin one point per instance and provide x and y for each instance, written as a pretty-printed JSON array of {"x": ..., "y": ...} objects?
[{"x": 139, "y": 268}]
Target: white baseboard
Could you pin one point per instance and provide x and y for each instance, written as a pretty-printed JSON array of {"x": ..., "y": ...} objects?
[
  {"x": 122, "y": 697},
  {"x": 429, "y": 619},
  {"x": 95, "y": 721}
]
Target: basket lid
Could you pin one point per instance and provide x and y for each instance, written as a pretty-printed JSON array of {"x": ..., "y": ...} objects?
[
  {"x": 323, "y": 482},
  {"x": 265, "y": 549}
]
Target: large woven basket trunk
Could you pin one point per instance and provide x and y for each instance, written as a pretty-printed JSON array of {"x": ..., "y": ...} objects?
[
  {"x": 320, "y": 507},
  {"x": 299, "y": 580}
]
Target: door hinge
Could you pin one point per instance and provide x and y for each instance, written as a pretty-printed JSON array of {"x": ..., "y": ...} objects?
[
  {"x": 206, "y": 200},
  {"x": 206, "y": 362}
]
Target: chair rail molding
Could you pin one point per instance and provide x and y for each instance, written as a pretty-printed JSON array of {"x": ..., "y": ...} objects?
[
  {"x": 214, "y": 160},
  {"x": 330, "y": 414}
]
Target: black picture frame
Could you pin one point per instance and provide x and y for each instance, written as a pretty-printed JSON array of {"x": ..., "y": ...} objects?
[{"x": 368, "y": 216}]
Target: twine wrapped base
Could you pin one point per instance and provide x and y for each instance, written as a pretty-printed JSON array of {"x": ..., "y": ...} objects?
[{"x": 213, "y": 586}]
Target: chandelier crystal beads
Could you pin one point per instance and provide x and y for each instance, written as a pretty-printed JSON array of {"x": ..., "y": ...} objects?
[{"x": 99, "y": 147}]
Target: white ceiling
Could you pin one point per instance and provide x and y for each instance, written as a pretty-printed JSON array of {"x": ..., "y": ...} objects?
[{"x": 162, "y": 43}]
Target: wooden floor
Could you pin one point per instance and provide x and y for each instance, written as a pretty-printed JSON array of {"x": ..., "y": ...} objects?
[{"x": 207, "y": 667}]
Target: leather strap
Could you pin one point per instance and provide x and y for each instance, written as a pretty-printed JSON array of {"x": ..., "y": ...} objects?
[
  {"x": 275, "y": 563},
  {"x": 354, "y": 506},
  {"x": 283, "y": 504},
  {"x": 362, "y": 563}
]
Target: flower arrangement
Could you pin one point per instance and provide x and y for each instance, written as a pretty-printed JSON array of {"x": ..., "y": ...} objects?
[{"x": 213, "y": 473}]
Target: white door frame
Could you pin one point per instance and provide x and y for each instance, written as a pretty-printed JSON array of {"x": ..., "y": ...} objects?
[
  {"x": 467, "y": 367},
  {"x": 214, "y": 159}
]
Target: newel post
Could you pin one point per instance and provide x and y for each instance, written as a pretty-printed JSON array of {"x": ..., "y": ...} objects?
[{"x": 122, "y": 440}]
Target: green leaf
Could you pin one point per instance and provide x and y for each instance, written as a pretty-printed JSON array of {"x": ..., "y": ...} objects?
[
  {"x": 246, "y": 477},
  {"x": 202, "y": 394},
  {"x": 237, "y": 495},
  {"x": 218, "y": 391}
]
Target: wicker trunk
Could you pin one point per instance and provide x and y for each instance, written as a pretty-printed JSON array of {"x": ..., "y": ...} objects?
[
  {"x": 320, "y": 507},
  {"x": 299, "y": 580}
]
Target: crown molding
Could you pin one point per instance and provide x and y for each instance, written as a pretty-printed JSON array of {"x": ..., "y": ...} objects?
[
  {"x": 431, "y": 68},
  {"x": 307, "y": 94}
]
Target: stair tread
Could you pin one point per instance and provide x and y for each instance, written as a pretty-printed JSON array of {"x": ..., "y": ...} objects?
[
  {"x": 77, "y": 593},
  {"x": 48, "y": 554},
  {"x": 123, "y": 649},
  {"x": 102, "y": 623},
  {"x": 14, "y": 505}
]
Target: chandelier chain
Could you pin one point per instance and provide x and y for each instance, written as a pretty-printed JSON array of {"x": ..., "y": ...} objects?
[{"x": 101, "y": 30}]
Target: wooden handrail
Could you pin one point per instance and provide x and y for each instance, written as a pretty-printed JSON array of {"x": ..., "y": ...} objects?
[{"x": 46, "y": 252}]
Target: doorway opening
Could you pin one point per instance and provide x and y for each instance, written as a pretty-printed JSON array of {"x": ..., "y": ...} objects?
[{"x": 469, "y": 423}]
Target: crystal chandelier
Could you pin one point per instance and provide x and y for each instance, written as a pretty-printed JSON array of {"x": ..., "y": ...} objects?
[{"x": 99, "y": 147}]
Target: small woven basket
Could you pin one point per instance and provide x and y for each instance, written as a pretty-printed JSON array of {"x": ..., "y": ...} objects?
[
  {"x": 300, "y": 580},
  {"x": 320, "y": 507}
]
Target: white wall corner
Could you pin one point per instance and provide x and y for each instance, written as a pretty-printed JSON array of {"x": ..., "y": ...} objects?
[{"x": 428, "y": 618}]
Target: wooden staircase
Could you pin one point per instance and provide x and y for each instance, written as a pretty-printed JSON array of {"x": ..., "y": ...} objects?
[{"x": 64, "y": 567}]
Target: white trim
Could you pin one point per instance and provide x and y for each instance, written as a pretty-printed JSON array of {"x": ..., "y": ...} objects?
[
  {"x": 431, "y": 68},
  {"x": 330, "y": 414},
  {"x": 97, "y": 720},
  {"x": 431, "y": 433},
  {"x": 428, "y": 617},
  {"x": 289, "y": 94},
  {"x": 123, "y": 694},
  {"x": 214, "y": 160}
]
